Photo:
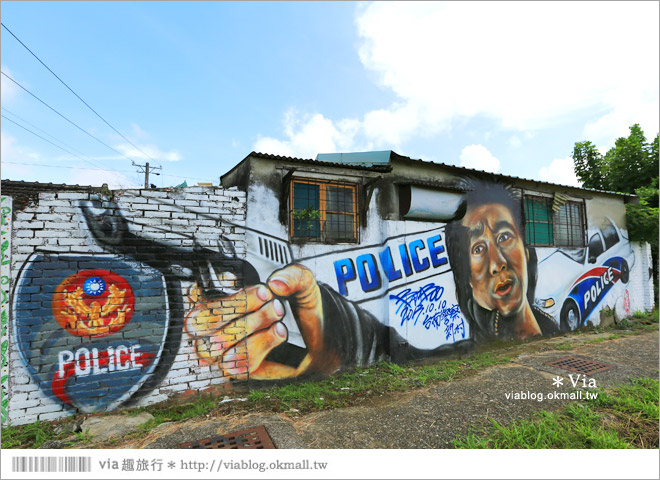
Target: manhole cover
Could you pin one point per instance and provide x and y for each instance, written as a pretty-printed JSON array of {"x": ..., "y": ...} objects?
[
  {"x": 579, "y": 365},
  {"x": 256, "y": 437}
]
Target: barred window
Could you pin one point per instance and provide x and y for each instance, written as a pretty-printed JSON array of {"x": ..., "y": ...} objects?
[
  {"x": 323, "y": 211},
  {"x": 549, "y": 223}
]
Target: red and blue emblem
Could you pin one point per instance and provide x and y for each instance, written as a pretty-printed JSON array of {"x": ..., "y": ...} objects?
[
  {"x": 93, "y": 303},
  {"x": 91, "y": 329}
]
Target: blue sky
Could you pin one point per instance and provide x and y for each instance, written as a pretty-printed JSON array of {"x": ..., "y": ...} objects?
[{"x": 505, "y": 87}]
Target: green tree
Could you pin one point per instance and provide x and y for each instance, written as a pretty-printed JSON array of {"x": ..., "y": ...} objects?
[{"x": 631, "y": 166}]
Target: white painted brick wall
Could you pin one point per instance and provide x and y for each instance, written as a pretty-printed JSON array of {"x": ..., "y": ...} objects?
[{"x": 173, "y": 218}]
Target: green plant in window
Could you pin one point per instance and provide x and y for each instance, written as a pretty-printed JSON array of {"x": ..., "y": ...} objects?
[{"x": 306, "y": 217}]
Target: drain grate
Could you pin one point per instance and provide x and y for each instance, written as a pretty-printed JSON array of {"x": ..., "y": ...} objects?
[
  {"x": 579, "y": 365},
  {"x": 256, "y": 437}
]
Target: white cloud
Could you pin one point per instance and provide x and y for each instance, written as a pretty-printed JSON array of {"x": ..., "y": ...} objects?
[
  {"x": 307, "y": 135},
  {"x": 631, "y": 107},
  {"x": 478, "y": 157},
  {"x": 560, "y": 171},
  {"x": 526, "y": 65},
  {"x": 97, "y": 178},
  {"x": 452, "y": 59},
  {"x": 152, "y": 153},
  {"x": 13, "y": 156},
  {"x": 21, "y": 163},
  {"x": 138, "y": 132},
  {"x": 8, "y": 89}
]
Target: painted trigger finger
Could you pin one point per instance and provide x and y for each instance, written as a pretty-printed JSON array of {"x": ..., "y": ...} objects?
[
  {"x": 208, "y": 317},
  {"x": 258, "y": 345}
]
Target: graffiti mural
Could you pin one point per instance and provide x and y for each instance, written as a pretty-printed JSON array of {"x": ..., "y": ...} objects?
[
  {"x": 590, "y": 272},
  {"x": 427, "y": 288},
  {"x": 163, "y": 291},
  {"x": 111, "y": 319},
  {"x": 100, "y": 329},
  {"x": 494, "y": 270},
  {"x": 5, "y": 261}
]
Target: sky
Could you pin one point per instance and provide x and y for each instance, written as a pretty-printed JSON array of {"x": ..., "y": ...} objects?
[{"x": 194, "y": 87}]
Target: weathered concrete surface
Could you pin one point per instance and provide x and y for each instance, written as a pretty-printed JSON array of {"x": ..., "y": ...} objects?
[
  {"x": 113, "y": 426},
  {"x": 432, "y": 417}
]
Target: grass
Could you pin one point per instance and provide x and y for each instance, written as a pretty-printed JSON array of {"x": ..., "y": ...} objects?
[
  {"x": 626, "y": 417},
  {"x": 638, "y": 323},
  {"x": 378, "y": 379},
  {"x": 28, "y": 436},
  {"x": 349, "y": 388},
  {"x": 203, "y": 405}
]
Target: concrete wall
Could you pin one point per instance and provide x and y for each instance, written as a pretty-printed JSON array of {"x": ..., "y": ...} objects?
[
  {"x": 409, "y": 289},
  {"x": 129, "y": 299},
  {"x": 105, "y": 305}
]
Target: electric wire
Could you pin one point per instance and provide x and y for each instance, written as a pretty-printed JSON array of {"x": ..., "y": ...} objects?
[
  {"x": 61, "y": 148},
  {"x": 65, "y": 118},
  {"x": 90, "y": 161},
  {"x": 39, "y": 129},
  {"x": 77, "y": 96},
  {"x": 62, "y": 166},
  {"x": 94, "y": 169}
]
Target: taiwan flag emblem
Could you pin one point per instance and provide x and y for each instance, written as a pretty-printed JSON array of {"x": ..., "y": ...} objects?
[
  {"x": 91, "y": 329},
  {"x": 93, "y": 303}
]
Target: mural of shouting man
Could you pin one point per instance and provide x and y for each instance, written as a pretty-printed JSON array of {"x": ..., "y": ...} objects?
[{"x": 494, "y": 271}]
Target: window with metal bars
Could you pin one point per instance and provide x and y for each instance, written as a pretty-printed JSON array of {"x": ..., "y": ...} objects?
[
  {"x": 324, "y": 211},
  {"x": 562, "y": 227}
]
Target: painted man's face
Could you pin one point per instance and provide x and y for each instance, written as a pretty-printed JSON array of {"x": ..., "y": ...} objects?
[{"x": 498, "y": 259}]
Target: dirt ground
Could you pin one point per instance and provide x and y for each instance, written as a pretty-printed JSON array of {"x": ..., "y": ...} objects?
[{"x": 432, "y": 417}]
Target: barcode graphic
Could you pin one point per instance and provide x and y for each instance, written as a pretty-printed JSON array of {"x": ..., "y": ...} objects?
[{"x": 51, "y": 464}]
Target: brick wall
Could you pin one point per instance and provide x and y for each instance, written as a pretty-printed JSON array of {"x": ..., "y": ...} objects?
[
  {"x": 642, "y": 297},
  {"x": 102, "y": 294}
]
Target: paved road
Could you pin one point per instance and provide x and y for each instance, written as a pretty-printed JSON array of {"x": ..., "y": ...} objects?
[{"x": 431, "y": 417}]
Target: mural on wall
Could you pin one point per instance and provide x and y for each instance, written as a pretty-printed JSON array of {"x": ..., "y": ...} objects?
[
  {"x": 99, "y": 330},
  {"x": 91, "y": 329},
  {"x": 5, "y": 261},
  {"x": 590, "y": 273},
  {"x": 470, "y": 279},
  {"x": 494, "y": 271}
]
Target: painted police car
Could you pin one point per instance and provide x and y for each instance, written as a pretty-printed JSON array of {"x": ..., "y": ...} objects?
[{"x": 593, "y": 270}]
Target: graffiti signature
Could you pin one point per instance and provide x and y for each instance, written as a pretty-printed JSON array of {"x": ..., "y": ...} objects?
[{"x": 428, "y": 305}]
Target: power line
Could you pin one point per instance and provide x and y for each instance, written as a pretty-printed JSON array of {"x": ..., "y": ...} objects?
[
  {"x": 71, "y": 90},
  {"x": 37, "y": 128},
  {"x": 63, "y": 166},
  {"x": 77, "y": 156},
  {"x": 65, "y": 118},
  {"x": 57, "y": 146},
  {"x": 95, "y": 169}
]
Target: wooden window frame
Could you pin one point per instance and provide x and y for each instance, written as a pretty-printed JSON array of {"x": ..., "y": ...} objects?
[{"x": 323, "y": 211}]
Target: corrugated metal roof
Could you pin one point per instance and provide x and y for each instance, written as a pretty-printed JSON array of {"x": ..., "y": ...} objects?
[
  {"x": 357, "y": 158},
  {"x": 500, "y": 175},
  {"x": 378, "y": 168},
  {"x": 23, "y": 192},
  {"x": 43, "y": 186},
  {"x": 394, "y": 155}
]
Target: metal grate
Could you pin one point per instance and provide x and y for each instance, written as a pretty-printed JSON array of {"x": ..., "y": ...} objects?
[
  {"x": 253, "y": 438},
  {"x": 579, "y": 365}
]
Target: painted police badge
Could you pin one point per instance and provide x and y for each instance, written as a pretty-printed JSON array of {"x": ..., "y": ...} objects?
[{"x": 94, "y": 334}]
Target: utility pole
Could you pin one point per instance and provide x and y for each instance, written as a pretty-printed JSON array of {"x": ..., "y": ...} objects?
[{"x": 146, "y": 169}]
